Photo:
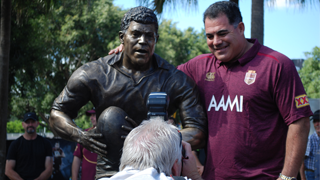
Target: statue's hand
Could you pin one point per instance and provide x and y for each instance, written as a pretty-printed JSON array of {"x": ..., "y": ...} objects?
[
  {"x": 132, "y": 122},
  {"x": 116, "y": 50},
  {"x": 91, "y": 141}
]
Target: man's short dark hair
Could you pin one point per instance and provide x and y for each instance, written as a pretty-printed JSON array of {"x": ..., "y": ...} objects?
[
  {"x": 316, "y": 116},
  {"x": 230, "y": 9},
  {"x": 139, "y": 14}
]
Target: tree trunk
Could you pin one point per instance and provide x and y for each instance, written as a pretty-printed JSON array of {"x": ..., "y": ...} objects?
[
  {"x": 257, "y": 23},
  {"x": 4, "y": 78}
]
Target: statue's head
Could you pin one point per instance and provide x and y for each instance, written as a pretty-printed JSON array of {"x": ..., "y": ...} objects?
[
  {"x": 139, "y": 35},
  {"x": 139, "y": 14}
]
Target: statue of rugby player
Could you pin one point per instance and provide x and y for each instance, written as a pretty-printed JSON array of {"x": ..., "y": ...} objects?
[{"x": 125, "y": 80}]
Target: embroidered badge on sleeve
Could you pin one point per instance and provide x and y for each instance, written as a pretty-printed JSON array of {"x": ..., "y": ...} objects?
[{"x": 301, "y": 101}]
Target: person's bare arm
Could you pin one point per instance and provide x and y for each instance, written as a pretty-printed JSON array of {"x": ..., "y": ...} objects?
[
  {"x": 75, "y": 167},
  {"x": 10, "y": 172},
  {"x": 195, "y": 137},
  {"x": 302, "y": 174},
  {"x": 296, "y": 144},
  {"x": 62, "y": 125},
  {"x": 48, "y": 169}
]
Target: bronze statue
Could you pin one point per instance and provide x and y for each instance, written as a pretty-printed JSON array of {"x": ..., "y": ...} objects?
[{"x": 125, "y": 80}]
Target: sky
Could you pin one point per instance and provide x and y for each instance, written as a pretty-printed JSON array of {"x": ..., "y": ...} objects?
[{"x": 288, "y": 28}]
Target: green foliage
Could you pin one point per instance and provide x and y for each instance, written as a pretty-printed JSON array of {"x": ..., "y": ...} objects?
[
  {"x": 83, "y": 122},
  {"x": 15, "y": 126},
  {"x": 310, "y": 73},
  {"x": 178, "y": 46},
  {"x": 47, "y": 48}
]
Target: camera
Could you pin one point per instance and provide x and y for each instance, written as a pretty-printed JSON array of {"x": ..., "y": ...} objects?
[{"x": 157, "y": 105}]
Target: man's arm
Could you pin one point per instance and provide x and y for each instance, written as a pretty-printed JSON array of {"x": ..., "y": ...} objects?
[
  {"x": 48, "y": 169},
  {"x": 302, "y": 169},
  {"x": 296, "y": 144},
  {"x": 10, "y": 172},
  {"x": 75, "y": 167},
  {"x": 63, "y": 126}
]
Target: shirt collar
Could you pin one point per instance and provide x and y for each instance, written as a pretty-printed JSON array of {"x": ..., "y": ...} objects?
[
  {"x": 161, "y": 63},
  {"x": 251, "y": 53}
]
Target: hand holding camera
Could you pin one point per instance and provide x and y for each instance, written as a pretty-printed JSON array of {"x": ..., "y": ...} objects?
[{"x": 189, "y": 167}]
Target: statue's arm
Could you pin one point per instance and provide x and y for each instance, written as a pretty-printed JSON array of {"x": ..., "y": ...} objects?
[
  {"x": 62, "y": 125},
  {"x": 193, "y": 116},
  {"x": 195, "y": 137}
]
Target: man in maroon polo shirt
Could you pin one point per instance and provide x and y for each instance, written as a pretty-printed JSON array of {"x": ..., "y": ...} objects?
[
  {"x": 258, "y": 111},
  {"x": 89, "y": 159}
]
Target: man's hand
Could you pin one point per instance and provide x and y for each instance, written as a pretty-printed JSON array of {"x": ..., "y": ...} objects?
[
  {"x": 189, "y": 163},
  {"x": 91, "y": 141},
  {"x": 199, "y": 165},
  {"x": 200, "y": 169},
  {"x": 116, "y": 50}
]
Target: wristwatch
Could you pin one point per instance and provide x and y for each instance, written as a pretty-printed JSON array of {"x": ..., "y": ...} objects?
[{"x": 286, "y": 177}]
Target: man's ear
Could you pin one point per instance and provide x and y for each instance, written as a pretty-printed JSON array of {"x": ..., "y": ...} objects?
[
  {"x": 157, "y": 38},
  {"x": 175, "y": 168},
  {"x": 241, "y": 27},
  {"x": 121, "y": 35}
]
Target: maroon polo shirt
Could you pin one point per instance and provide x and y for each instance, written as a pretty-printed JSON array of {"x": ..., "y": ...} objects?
[{"x": 249, "y": 105}]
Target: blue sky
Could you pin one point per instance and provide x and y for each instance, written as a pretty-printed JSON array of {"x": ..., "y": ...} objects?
[{"x": 288, "y": 28}]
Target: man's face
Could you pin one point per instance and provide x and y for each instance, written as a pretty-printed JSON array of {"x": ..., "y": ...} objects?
[
  {"x": 139, "y": 42},
  {"x": 93, "y": 119},
  {"x": 317, "y": 127},
  {"x": 224, "y": 41},
  {"x": 30, "y": 126}
]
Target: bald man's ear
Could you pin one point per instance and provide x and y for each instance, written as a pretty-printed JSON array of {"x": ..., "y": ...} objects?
[{"x": 121, "y": 35}]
